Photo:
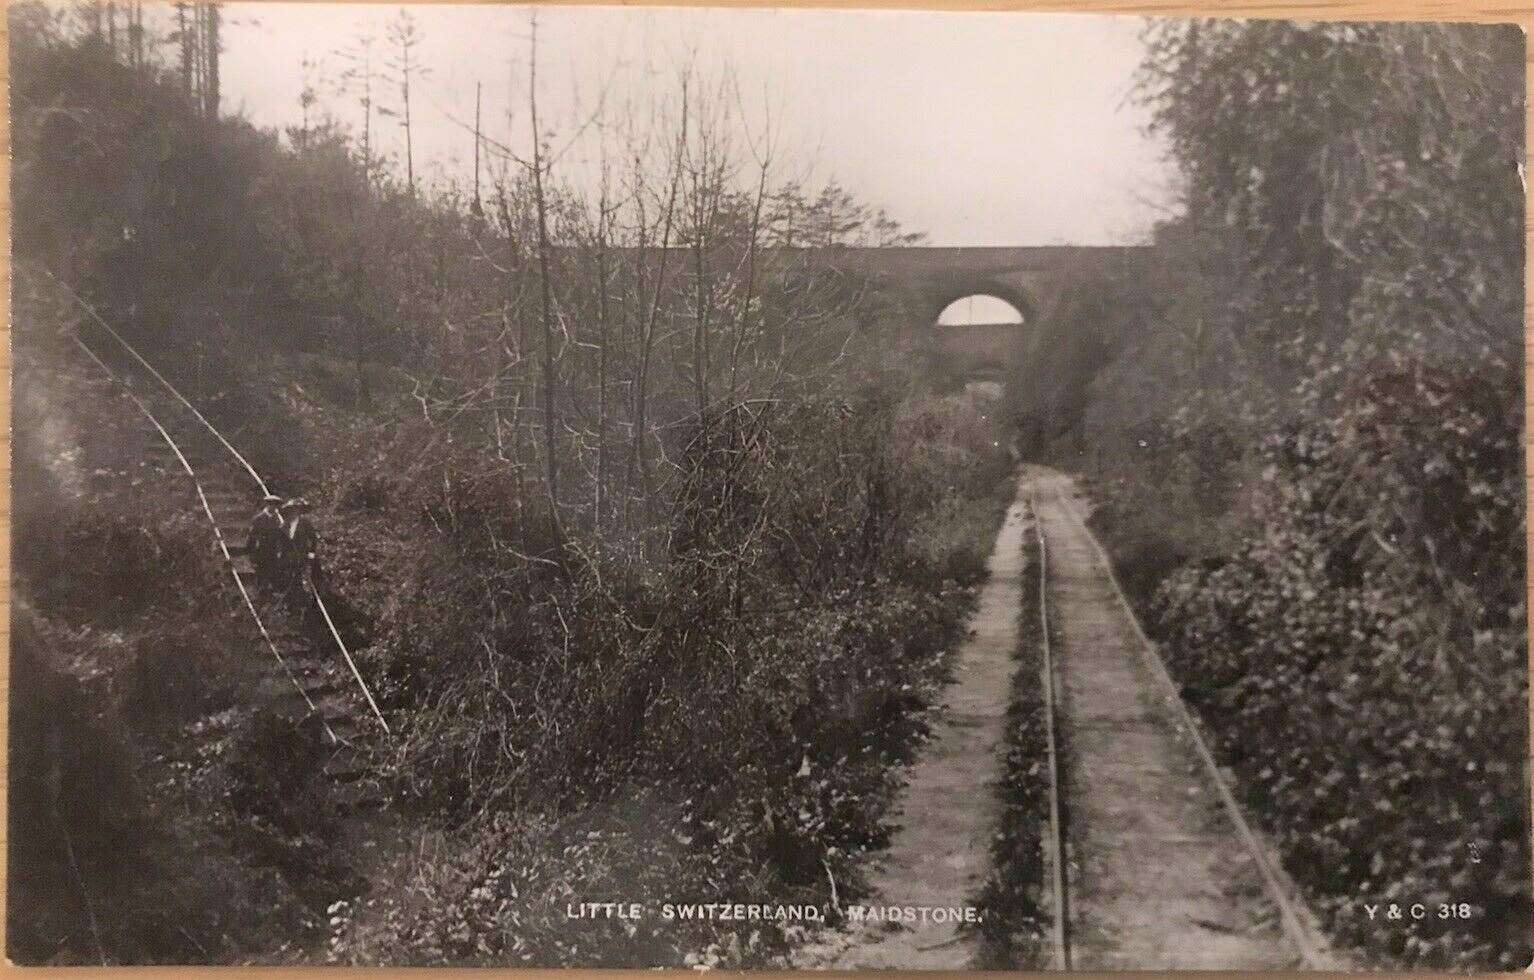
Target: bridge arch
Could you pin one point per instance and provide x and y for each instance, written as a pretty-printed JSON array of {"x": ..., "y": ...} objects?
[
  {"x": 924, "y": 279},
  {"x": 979, "y": 308},
  {"x": 982, "y": 350},
  {"x": 947, "y": 291}
]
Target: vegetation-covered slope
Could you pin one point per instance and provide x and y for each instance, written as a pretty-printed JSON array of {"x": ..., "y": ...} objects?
[
  {"x": 1306, "y": 436},
  {"x": 651, "y": 553}
]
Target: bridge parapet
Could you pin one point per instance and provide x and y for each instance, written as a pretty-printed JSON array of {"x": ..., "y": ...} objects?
[{"x": 1031, "y": 278}]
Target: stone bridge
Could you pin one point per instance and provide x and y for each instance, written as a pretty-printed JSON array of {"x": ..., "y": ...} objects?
[
  {"x": 1032, "y": 278},
  {"x": 923, "y": 280}
]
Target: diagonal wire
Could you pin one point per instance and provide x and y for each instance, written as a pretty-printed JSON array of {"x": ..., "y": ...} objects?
[
  {"x": 242, "y": 461},
  {"x": 88, "y": 308},
  {"x": 345, "y": 653},
  {"x": 218, "y": 534}
]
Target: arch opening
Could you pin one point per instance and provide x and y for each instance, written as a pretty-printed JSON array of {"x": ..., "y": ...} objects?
[{"x": 977, "y": 309}]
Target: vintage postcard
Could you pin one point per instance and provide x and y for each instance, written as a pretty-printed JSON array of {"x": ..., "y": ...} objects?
[{"x": 766, "y": 489}]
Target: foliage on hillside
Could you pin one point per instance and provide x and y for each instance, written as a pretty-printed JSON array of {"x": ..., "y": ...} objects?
[
  {"x": 652, "y": 556},
  {"x": 1363, "y": 658},
  {"x": 783, "y": 648},
  {"x": 1360, "y": 174},
  {"x": 131, "y": 672},
  {"x": 1307, "y": 454}
]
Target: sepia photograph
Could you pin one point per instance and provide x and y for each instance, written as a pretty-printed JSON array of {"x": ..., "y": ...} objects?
[{"x": 765, "y": 489}]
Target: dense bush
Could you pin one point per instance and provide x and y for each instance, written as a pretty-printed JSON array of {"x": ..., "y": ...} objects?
[
  {"x": 1362, "y": 659},
  {"x": 114, "y": 858},
  {"x": 756, "y": 680},
  {"x": 501, "y": 896}
]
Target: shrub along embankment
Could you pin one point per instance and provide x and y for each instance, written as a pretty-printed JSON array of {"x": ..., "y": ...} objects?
[
  {"x": 1301, "y": 424},
  {"x": 1362, "y": 658},
  {"x": 717, "y": 721}
]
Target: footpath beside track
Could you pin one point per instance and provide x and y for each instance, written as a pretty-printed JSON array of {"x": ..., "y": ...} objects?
[
  {"x": 940, "y": 851},
  {"x": 1151, "y": 864}
]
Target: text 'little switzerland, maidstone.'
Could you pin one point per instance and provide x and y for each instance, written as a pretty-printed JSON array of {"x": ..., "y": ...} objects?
[{"x": 757, "y": 912}]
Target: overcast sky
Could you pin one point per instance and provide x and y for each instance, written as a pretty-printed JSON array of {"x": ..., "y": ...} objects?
[{"x": 975, "y": 128}]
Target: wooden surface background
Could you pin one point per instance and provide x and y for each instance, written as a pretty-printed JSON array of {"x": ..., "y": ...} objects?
[{"x": 1458, "y": 10}]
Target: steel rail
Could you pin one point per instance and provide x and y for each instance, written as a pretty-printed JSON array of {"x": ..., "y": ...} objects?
[
  {"x": 324, "y": 611},
  {"x": 1059, "y": 931},
  {"x": 1313, "y": 951},
  {"x": 218, "y": 533},
  {"x": 336, "y": 634}
]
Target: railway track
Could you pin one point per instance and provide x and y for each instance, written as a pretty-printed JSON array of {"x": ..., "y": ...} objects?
[
  {"x": 310, "y": 683},
  {"x": 1089, "y": 926},
  {"x": 1055, "y": 844},
  {"x": 311, "y": 677}
]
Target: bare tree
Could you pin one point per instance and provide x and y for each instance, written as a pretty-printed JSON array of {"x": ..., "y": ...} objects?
[
  {"x": 475, "y": 207},
  {"x": 635, "y": 477},
  {"x": 136, "y": 34},
  {"x": 91, "y": 15},
  {"x": 546, "y": 311},
  {"x": 357, "y": 80},
  {"x": 211, "y": 19},
  {"x": 708, "y": 170},
  {"x": 764, "y": 158},
  {"x": 186, "y": 34},
  {"x": 308, "y": 95},
  {"x": 603, "y": 285},
  {"x": 405, "y": 36}
]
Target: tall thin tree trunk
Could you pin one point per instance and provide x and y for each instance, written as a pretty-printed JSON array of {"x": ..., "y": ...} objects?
[
  {"x": 745, "y": 304},
  {"x": 478, "y": 208},
  {"x": 647, "y": 337},
  {"x": 210, "y": 93},
  {"x": 409, "y": 136},
  {"x": 367, "y": 110},
  {"x": 700, "y": 290},
  {"x": 642, "y": 246},
  {"x": 184, "y": 31},
  {"x": 444, "y": 296},
  {"x": 409, "y": 141},
  {"x": 202, "y": 58},
  {"x": 199, "y": 51},
  {"x": 546, "y": 302},
  {"x": 599, "y": 503},
  {"x": 136, "y": 34}
]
